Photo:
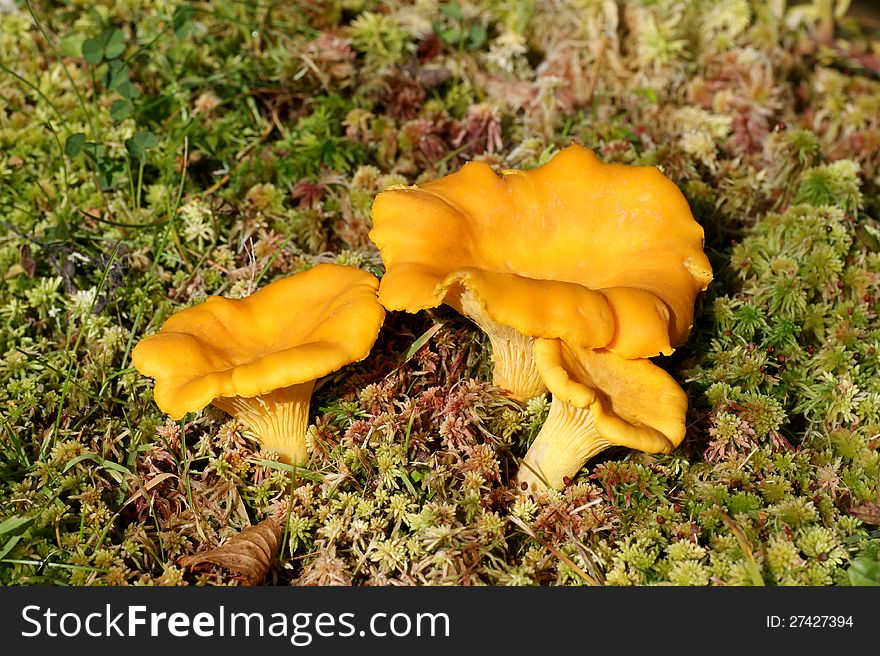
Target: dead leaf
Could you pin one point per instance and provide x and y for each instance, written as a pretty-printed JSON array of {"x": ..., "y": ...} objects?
[
  {"x": 247, "y": 555},
  {"x": 868, "y": 512},
  {"x": 158, "y": 479},
  {"x": 27, "y": 261}
]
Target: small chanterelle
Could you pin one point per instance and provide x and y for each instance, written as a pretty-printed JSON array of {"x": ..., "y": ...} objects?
[
  {"x": 578, "y": 272},
  {"x": 258, "y": 357}
]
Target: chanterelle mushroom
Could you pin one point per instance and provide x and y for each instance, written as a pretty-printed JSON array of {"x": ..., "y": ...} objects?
[
  {"x": 258, "y": 357},
  {"x": 598, "y": 255},
  {"x": 599, "y": 399}
]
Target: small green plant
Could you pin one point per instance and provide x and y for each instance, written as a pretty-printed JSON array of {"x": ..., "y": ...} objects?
[
  {"x": 865, "y": 568},
  {"x": 456, "y": 31}
]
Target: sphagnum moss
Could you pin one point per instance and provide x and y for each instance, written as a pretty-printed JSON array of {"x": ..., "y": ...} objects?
[{"x": 226, "y": 155}]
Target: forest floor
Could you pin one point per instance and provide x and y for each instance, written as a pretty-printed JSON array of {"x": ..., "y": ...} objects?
[{"x": 156, "y": 153}]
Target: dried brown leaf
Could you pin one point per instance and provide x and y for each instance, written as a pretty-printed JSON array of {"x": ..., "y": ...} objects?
[
  {"x": 27, "y": 261},
  {"x": 247, "y": 556},
  {"x": 868, "y": 512}
]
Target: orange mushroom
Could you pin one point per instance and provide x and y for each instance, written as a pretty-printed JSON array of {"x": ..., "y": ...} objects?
[
  {"x": 599, "y": 400},
  {"x": 258, "y": 358},
  {"x": 597, "y": 255}
]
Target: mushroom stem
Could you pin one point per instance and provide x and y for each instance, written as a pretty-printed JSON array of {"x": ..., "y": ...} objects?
[
  {"x": 513, "y": 362},
  {"x": 567, "y": 440},
  {"x": 279, "y": 419}
]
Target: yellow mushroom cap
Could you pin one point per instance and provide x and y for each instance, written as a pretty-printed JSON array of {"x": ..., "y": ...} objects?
[
  {"x": 291, "y": 331},
  {"x": 600, "y": 255},
  {"x": 634, "y": 403}
]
